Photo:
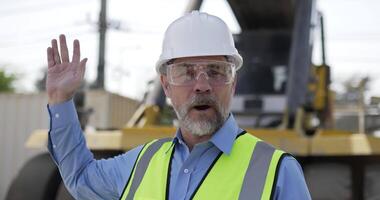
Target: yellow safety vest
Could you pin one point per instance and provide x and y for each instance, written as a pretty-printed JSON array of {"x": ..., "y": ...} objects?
[{"x": 249, "y": 172}]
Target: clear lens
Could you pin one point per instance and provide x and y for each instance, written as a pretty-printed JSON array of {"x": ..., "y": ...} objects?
[{"x": 186, "y": 73}]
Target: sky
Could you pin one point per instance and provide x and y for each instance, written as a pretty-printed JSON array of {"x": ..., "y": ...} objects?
[{"x": 352, "y": 38}]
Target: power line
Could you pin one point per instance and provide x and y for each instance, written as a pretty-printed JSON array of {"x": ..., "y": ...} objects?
[
  {"x": 45, "y": 29},
  {"x": 44, "y": 39},
  {"x": 40, "y": 7}
]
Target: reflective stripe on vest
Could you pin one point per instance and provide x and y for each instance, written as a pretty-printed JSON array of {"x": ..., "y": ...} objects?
[
  {"x": 151, "y": 152},
  {"x": 249, "y": 172}
]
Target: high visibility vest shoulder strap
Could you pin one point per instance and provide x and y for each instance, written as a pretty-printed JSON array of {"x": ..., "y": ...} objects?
[
  {"x": 261, "y": 175},
  {"x": 147, "y": 159},
  {"x": 249, "y": 172}
]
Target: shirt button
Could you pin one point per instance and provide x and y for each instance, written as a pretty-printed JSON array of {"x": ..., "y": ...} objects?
[
  {"x": 54, "y": 146},
  {"x": 56, "y": 115},
  {"x": 185, "y": 171}
]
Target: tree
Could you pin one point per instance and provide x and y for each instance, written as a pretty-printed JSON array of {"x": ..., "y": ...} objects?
[
  {"x": 41, "y": 83},
  {"x": 6, "y": 82}
]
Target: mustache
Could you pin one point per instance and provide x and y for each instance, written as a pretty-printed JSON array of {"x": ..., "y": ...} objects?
[{"x": 201, "y": 99}]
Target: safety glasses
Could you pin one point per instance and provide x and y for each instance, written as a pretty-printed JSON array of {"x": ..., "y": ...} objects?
[{"x": 187, "y": 73}]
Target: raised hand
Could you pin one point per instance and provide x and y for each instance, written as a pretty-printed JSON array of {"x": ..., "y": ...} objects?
[{"x": 63, "y": 77}]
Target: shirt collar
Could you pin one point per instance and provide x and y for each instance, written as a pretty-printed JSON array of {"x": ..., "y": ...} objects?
[{"x": 223, "y": 139}]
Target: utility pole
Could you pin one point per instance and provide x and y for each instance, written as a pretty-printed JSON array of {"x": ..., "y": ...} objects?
[
  {"x": 322, "y": 39},
  {"x": 102, "y": 25}
]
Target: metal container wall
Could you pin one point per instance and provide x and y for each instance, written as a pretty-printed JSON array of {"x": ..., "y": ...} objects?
[
  {"x": 20, "y": 114},
  {"x": 111, "y": 111}
]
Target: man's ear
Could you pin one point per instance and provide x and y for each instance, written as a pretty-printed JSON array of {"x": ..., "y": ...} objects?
[{"x": 165, "y": 85}]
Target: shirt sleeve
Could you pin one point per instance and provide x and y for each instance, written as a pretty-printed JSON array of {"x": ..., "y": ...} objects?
[
  {"x": 85, "y": 177},
  {"x": 291, "y": 183}
]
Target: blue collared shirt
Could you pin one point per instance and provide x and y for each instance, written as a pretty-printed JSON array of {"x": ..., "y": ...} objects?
[{"x": 87, "y": 178}]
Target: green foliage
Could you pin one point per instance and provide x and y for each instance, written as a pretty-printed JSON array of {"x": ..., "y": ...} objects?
[
  {"x": 6, "y": 82},
  {"x": 40, "y": 83}
]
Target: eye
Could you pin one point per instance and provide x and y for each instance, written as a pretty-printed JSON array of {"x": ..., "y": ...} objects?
[
  {"x": 213, "y": 72},
  {"x": 190, "y": 72}
]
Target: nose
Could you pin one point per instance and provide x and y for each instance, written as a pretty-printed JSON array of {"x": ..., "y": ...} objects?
[
  {"x": 199, "y": 75},
  {"x": 201, "y": 83}
]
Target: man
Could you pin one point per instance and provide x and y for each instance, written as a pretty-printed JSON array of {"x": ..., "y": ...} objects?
[{"x": 210, "y": 157}]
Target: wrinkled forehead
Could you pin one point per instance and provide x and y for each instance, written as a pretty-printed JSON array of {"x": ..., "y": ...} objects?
[{"x": 199, "y": 58}]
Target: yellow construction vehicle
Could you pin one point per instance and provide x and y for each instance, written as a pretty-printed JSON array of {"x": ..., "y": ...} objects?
[{"x": 281, "y": 97}]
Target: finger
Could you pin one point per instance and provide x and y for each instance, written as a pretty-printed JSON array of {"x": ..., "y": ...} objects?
[
  {"x": 50, "y": 57},
  {"x": 64, "y": 50},
  {"x": 76, "y": 52},
  {"x": 82, "y": 67},
  {"x": 54, "y": 44}
]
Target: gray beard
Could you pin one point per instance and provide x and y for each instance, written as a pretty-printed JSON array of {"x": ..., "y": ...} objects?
[{"x": 204, "y": 125}]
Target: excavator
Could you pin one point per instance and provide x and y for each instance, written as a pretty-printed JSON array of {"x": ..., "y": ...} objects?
[{"x": 281, "y": 97}]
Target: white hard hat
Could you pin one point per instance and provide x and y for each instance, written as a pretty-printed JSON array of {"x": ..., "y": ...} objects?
[{"x": 198, "y": 34}]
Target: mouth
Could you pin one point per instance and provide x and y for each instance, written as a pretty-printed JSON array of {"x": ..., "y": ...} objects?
[{"x": 202, "y": 107}]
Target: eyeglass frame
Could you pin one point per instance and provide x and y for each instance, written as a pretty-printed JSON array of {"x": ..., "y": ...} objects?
[{"x": 170, "y": 63}]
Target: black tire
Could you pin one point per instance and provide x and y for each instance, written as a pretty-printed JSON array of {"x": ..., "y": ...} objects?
[
  {"x": 63, "y": 194},
  {"x": 38, "y": 179}
]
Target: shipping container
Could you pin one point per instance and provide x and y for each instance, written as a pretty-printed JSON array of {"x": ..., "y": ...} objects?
[{"x": 20, "y": 114}]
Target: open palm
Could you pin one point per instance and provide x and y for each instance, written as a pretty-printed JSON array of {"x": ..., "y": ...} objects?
[{"x": 63, "y": 77}]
